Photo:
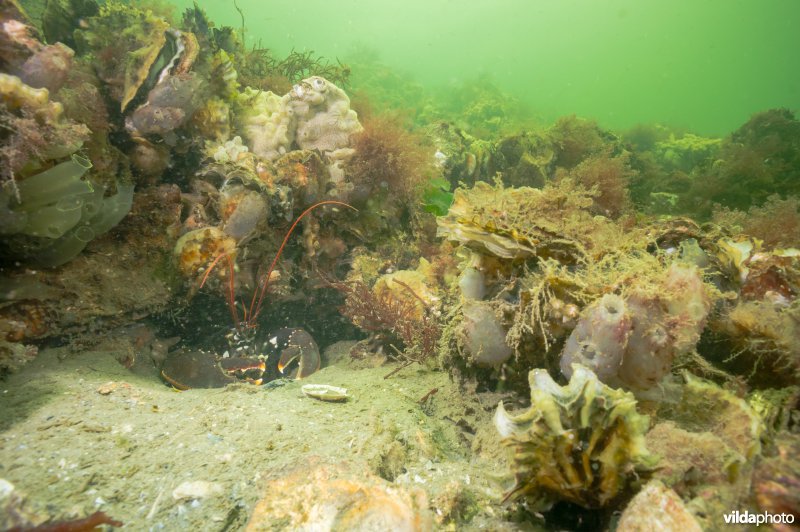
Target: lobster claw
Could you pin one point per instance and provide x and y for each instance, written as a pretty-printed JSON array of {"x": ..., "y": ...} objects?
[{"x": 299, "y": 354}]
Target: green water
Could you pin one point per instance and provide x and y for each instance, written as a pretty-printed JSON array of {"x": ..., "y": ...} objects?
[{"x": 706, "y": 65}]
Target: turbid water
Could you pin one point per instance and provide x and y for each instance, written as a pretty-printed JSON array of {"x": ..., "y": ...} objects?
[{"x": 706, "y": 66}]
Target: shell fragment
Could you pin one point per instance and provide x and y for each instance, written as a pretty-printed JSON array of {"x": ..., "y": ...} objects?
[{"x": 325, "y": 392}]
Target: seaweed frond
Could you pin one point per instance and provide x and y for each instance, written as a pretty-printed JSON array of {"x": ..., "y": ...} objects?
[{"x": 384, "y": 312}]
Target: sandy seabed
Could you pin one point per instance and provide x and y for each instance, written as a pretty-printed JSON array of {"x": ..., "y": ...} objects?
[{"x": 80, "y": 433}]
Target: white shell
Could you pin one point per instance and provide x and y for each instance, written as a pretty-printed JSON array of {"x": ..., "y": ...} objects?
[
  {"x": 503, "y": 422},
  {"x": 325, "y": 392},
  {"x": 197, "y": 489}
]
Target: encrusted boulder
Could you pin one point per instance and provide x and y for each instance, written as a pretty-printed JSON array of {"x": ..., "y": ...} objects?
[
  {"x": 325, "y": 121},
  {"x": 657, "y": 507},
  {"x": 322, "y": 497},
  {"x": 314, "y": 115}
]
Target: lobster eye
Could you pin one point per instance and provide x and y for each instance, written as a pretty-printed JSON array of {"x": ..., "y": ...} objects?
[{"x": 318, "y": 83}]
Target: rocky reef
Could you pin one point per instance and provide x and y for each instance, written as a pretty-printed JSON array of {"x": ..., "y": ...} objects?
[{"x": 220, "y": 216}]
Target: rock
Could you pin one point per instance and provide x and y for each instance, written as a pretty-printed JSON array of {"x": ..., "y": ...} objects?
[
  {"x": 330, "y": 497},
  {"x": 657, "y": 507}
]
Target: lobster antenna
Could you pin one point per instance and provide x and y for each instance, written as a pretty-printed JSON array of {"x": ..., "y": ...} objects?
[
  {"x": 255, "y": 305},
  {"x": 231, "y": 296},
  {"x": 232, "y": 292}
]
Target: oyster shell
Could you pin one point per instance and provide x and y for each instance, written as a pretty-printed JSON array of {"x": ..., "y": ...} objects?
[
  {"x": 325, "y": 392},
  {"x": 580, "y": 442}
]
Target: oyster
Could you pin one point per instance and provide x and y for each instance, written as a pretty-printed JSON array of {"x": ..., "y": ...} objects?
[
  {"x": 521, "y": 223},
  {"x": 580, "y": 442},
  {"x": 126, "y": 43}
]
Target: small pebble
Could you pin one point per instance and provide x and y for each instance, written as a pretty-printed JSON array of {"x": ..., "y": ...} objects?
[
  {"x": 107, "y": 388},
  {"x": 196, "y": 489}
]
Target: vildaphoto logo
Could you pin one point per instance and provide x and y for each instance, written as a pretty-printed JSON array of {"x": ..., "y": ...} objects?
[{"x": 764, "y": 518}]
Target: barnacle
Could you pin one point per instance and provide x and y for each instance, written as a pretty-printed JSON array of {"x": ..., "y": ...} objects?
[{"x": 580, "y": 443}]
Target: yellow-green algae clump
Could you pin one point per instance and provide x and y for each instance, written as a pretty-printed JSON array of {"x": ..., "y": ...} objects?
[
  {"x": 520, "y": 223},
  {"x": 581, "y": 442}
]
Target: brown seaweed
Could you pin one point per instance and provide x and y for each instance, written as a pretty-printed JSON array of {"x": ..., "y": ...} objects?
[{"x": 91, "y": 522}]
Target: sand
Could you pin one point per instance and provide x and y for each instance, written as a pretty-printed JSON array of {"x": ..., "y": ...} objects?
[{"x": 80, "y": 433}]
